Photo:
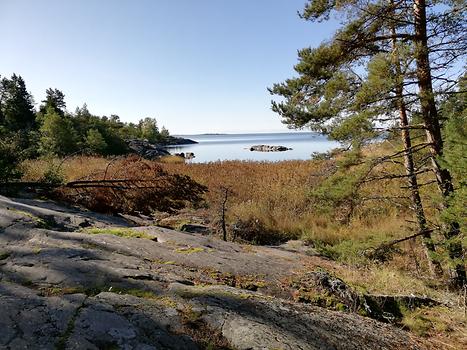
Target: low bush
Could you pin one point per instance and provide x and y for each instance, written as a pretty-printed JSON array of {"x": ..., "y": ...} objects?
[
  {"x": 254, "y": 231},
  {"x": 9, "y": 160},
  {"x": 132, "y": 185},
  {"x": 53, "y": 174}
]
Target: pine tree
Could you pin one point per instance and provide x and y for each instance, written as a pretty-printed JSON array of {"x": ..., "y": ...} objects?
[
  {"x": 55, "y": 99},
  {"x": 9, "y": 159},
  {"x": 16, "y": 104},
  {"x": 164, "y": 134},
  {"x": 454, "y": 110},
  {"x": 409, "y": 163},
  {"x": 2, "y": 117},
  {"x": 450, "y": 26},
  {"x": 334, "y": 95}
]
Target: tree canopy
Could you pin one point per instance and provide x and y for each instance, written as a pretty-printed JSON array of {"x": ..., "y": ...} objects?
[
  {"x": 384, "y": 71},
  {"x": 53, "y": 130}
]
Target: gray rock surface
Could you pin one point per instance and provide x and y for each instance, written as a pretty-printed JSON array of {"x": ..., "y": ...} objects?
[
  {"x": 187, "y": 155},
  {"x": 177, "y": 140},
  {"x": 268, "y": 148},
  {"x": 146, "y": 149},
  {"x": 64, "y": 288}
]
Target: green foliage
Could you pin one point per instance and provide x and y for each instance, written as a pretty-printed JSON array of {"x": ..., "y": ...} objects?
[
  {"x": 54, "y": 99},
  {"x": 57, "y": 134},
  {"x": 9, "y": 159},
  {"x": 54, "y": 131},
  {"x": 340, "y": 190},
  {"x": 360, "y": 252},
  {"x": 96, "y": 142},
  {"x": 149, "y": 130},
  {"x": 16, "y": 105},
  {"x": 455, "y": 156},
  {"x": 53, "y": 174},
  {"x": 355, "y": 129}
]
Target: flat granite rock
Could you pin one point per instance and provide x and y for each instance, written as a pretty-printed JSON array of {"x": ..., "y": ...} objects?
[{"x": 62, "y": 288}]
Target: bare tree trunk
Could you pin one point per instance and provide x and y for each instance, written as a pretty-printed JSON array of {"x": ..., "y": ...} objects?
[
  {"x": 433, "y": 134},
  {"x": 435, "y": 266},
  {"x": 223, "y": 210}
]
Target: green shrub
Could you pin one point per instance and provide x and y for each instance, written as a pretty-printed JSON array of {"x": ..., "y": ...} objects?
[
  {"x": 53, "y": 175},
  {"x": 9, "y": 160}
]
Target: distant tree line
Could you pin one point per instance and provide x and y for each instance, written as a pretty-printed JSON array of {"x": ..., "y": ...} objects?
[{"x": 53, "y": 131}]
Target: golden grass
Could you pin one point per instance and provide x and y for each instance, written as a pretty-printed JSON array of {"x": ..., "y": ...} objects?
[
  {"x": 172, "y": 159},
  {"x": 72, "y": 168},
  {"x": 118, "y": 231},
  {"x": 276, "y": 194}
]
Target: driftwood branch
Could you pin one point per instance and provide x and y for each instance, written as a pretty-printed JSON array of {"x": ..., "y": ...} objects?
[{"x": 118, "y": 184}]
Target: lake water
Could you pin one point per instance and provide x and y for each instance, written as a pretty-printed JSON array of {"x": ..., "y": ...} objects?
[{"x": 237, "y": 146}]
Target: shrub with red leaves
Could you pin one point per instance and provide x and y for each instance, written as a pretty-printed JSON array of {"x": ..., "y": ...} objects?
[{"x": 133, "y": 185}]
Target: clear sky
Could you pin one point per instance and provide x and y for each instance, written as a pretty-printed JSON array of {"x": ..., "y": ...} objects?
[{"x": 195, "y": 65}]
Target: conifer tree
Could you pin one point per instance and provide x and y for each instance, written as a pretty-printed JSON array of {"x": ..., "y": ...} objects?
[
  {"x": 334, "y": 95},
  {"x": 54, "y": 99},
  {"x": 17, "y": 106}
]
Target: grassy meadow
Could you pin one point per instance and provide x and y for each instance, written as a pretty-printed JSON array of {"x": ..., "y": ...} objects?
[{"x": 275, "y": 200}]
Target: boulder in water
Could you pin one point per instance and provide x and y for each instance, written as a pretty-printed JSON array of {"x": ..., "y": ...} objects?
[{"x": 267, "y": 148}]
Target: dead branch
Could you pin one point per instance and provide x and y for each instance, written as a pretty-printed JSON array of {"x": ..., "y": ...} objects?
[
  {"x": 395, "y": 176},
  {"x": 383, "y": 247}
]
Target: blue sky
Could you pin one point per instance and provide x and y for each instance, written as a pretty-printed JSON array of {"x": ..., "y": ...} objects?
[{"x": 196, "y": 66}]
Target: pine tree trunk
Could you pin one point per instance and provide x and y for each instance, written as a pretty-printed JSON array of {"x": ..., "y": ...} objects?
[
  {"x": 433, "y": 133},
  {"x": 435, "y": 266}
]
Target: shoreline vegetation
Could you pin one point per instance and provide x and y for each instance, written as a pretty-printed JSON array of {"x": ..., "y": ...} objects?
[
  {"x": 350, "y": 206},
  {"x": 347, "y": 205},
  {"x": 375, "y": 229},
  {"x": 270, "y": 203}
]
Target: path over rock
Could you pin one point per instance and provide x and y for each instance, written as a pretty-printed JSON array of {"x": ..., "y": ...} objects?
[{"x": 82, "y": 288}]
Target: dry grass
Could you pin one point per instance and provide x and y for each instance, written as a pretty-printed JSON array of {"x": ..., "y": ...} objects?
[
  {"x": 275, "y": 194},
  {"x": 445, "y": 327},
  {"x": 147, "y": 188},
  {"x": 277, "y": 197},
  {"x": 74, "y": 168}
]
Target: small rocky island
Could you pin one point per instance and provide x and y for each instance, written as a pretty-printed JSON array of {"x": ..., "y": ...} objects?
[{"x": 267, "y": 148}]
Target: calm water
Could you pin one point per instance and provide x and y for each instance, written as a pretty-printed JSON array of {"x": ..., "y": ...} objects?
[{"x": 236, "y": 146}]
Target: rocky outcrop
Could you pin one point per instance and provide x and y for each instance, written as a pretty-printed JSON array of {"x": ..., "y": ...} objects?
[
  {"x": 175, "y": 140},
  {"x": 149, "y": 150},
  {"x": 187, "y": 155},
  {"x": 146, "y": 149},
  {"x": 103, "y": 284},
  {"x": 267, "y": 148},
  {"x": 332, "y": 290}
]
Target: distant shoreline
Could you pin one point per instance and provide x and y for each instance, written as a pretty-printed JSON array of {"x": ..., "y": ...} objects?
[{"x": 247, "y": 133}]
